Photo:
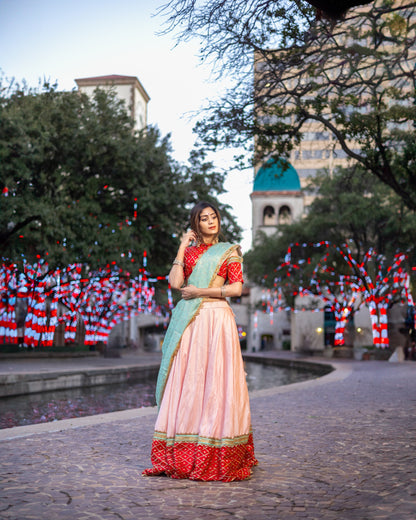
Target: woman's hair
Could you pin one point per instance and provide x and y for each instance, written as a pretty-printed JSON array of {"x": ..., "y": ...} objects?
[{"x": 196, "y": 212}]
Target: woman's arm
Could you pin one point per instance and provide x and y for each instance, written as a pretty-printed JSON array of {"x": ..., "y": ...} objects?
[
  {"x": 176, "y": 276},
  {"x": 233, "y": 290}
]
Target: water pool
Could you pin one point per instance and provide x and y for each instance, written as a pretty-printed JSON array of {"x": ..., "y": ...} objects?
[{"x": 80, "y": 402}]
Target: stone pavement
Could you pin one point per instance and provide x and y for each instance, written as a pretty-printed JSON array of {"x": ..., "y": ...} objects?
[
  {"x": 341, "y": 447},
  {"x": 27, "y": 365}
]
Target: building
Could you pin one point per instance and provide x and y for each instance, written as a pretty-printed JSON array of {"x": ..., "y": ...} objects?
[{"x": 127, "y": 88}]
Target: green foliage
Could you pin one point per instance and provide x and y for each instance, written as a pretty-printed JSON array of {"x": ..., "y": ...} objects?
[
  {"x": 74, "y": 169},
  {"x": 353, "y": 206}
]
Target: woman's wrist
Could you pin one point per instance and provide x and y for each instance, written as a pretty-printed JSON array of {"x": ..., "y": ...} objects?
[
  {"x": 182, "y": 247},
  {"x": 180, "y": 255}
]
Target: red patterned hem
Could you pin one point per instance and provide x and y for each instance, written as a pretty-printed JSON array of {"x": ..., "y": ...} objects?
[{"x": 201, "y": 462}]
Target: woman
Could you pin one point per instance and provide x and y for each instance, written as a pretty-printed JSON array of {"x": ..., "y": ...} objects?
[{"x": 203, "y": 429}]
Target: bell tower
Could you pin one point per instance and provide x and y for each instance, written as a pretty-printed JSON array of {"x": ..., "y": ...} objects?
[{"x": 277, "y": 198}]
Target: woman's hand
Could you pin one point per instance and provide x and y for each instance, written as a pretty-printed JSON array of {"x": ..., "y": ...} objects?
[
  {"x": 187, "y": 238},
  {"x": 189, "y": 292}
]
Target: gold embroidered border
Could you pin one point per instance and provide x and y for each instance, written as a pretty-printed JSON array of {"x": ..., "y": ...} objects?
[
  {"x": 234, "y": 260},
  {"x": 191, "y": 438},
  {"x": 222, "y": 259}
]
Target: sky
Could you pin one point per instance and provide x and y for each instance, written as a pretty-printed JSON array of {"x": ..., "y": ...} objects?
[{"x": 61, "y": 40}]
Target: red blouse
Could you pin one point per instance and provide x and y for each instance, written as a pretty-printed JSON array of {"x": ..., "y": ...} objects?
[{"x": 230, "y": 269}]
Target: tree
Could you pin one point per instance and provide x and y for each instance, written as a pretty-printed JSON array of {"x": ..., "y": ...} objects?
[
  {"x": 350, "y": 206},
  {"x": 79, "y": 185},
  {"x": 353, "y": 206},
  {"x": 355, "y": 80}
]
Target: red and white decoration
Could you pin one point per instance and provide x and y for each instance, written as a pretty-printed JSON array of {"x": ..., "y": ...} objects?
[{"x": 101, "y": 298}]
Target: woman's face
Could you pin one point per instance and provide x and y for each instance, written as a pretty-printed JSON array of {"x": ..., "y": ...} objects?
[{"x": 208, "y": 224}]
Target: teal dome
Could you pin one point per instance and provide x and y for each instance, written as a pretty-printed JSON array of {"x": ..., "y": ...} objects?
[{"x": 277, "y": 176}]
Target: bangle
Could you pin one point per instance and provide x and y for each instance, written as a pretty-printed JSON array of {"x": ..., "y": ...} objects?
[
  {"x": 178, "y": 262},
  {"x": 223, "y": 295}
]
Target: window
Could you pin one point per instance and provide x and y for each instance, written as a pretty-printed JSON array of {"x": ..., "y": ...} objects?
[
  {"x": 285, "y": 215},
  {"x": 340, "y": 154},
  {"x": 315, "y": 136},
  {"x": 268, "y": 120},
  {"x": 269, "y": 216}
]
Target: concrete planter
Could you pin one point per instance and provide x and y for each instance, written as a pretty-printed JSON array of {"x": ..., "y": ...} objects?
[
  {"x": 343, "y": 352},
  {"x": 358, "y": 353}
]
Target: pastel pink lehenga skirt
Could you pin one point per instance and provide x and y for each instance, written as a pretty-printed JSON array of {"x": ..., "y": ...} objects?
[{"x": 203, "y": 429}]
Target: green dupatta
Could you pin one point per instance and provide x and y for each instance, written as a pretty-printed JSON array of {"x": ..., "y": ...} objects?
[{"x": 202, "y": 276}]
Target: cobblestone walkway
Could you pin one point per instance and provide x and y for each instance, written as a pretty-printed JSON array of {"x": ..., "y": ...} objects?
[{"x": 341, "y": 447}]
